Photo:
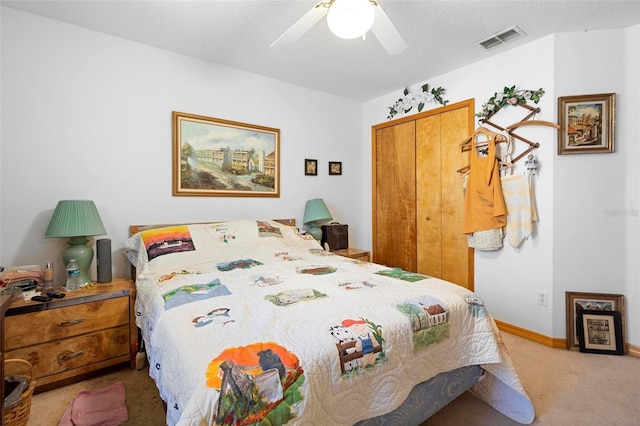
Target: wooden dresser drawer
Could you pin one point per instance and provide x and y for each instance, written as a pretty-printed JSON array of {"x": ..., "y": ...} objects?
[
  {"x": 65, "y": 339},
  {"x": 68, "y": 354},
  {"x": 53, "y": 324}
]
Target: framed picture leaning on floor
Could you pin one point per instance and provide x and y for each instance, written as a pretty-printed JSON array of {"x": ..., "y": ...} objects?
[
  {"x": 578, "y": 301},
  {"x": 600, "y": 332}
]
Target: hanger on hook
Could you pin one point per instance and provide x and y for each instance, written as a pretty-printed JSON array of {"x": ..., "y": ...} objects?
[
  {"x": 464, "y": 169},
  {"x": 533, "y": 123},
  {"x": 465, "y": 142},
  {"x": 488, "y": 134}
]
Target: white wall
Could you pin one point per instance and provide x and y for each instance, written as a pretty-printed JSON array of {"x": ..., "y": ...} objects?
[
  {"x": 596, "y": 196},
  {"x": 576, "y": 247},
  {"x": 88, "y": 116}
]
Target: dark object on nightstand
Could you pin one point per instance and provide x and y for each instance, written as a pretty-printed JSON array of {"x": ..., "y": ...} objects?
[
  {"x": 103, "y": 256},
  {"x": 335, "y": 235}
]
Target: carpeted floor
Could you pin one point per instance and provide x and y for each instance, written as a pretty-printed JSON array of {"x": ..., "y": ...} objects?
[
  {"x": 143, "y": 401},
  {"x": 566, "y": 387}
]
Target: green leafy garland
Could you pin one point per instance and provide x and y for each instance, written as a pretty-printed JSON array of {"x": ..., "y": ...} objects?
[
  {"x": 509, "y": 96},
  {"x": 411, "y": 100}
]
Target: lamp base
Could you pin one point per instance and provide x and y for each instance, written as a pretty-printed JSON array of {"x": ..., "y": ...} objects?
[
  {"x": 315, "y": 231},
  {"x": 82, "y": 253}
]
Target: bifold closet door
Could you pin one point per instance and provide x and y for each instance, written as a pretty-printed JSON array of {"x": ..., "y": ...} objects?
[
  {"x": 429, "y": 196},
  {"x": 442, "y": 249},
  {"x": 394, "y": 195}
]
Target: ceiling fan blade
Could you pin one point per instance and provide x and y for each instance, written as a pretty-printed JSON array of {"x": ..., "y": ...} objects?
[
  {"x": 386, "y": 32},
  {"x": 302, "y": 25}
]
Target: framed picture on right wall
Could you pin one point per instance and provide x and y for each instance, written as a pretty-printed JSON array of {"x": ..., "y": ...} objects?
[{"x": 587, "y": 124}]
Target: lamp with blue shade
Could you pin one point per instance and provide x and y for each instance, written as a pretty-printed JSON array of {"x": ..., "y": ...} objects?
[
  {"x": 316, "y": 212},
  {"x": 76, "y": 220}
]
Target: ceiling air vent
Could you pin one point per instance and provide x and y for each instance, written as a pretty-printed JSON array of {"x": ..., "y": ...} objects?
[{"x": 502, "y": 37}]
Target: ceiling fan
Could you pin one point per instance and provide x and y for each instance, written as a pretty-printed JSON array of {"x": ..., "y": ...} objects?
[{"x": 348, "y": 19}]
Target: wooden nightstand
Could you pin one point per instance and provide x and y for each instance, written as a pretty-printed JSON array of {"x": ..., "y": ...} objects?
[
  {"x": 87, "y": 330},
  {"x": 353, "y": 253},
  {"x": 5, "y": 301}
]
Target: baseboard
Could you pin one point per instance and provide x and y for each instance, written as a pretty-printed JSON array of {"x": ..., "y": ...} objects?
[
  {"x": 552, "y": 342},
  {"x": 632, "y": 350}
]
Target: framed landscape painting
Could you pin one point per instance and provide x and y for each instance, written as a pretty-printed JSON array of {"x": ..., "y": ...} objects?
[
  {"x": 587, "y": 124},
  {"x": 222, "y": 158}
]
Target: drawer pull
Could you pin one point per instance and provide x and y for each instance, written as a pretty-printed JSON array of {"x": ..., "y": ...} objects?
[
  {"x": 75, "y": 321},
  {"x": 67, "y": 357}
]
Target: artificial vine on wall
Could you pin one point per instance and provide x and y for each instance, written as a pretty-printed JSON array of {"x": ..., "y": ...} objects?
[
  {"x": 509, "y": 96},
  {"x": 411, "y": 100}
]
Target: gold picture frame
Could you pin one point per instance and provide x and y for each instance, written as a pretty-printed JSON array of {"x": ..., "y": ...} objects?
[
  {"x": 310, "y": 167},
  {"x": 587, "y": 124},
  {"x": 335, "y": 168},
  {"x": 578, "y": 301},
  {"x": 223, "y": 158}
]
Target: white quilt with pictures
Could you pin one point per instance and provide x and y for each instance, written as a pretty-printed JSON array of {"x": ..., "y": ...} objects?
[{"x": 248, "y": 322}]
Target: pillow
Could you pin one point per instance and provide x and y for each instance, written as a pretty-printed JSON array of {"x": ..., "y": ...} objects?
[
  {"x": 146, "y": 245},
  {"x": 194, "y": 244},
  {"x": 189, "y": 246}
]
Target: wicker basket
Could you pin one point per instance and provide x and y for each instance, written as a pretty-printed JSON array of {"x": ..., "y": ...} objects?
[{"x": 18, "y": 415}]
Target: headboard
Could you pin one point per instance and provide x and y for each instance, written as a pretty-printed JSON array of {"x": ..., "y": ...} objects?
[{"x": 134, "y": 229}]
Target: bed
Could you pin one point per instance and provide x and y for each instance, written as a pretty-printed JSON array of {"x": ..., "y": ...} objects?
[{"x": 252, "y": 322}]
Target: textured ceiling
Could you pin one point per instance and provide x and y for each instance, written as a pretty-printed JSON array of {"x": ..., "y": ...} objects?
[{"x": 440, "y": 35}]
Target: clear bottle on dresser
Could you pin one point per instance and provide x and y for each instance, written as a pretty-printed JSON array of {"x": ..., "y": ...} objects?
[
  {"x": 47, "y": 277},
  {"x": 73, "y": 276}
]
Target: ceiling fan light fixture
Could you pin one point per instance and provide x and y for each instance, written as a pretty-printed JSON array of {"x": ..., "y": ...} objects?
[{"x": 350, "y": 18}]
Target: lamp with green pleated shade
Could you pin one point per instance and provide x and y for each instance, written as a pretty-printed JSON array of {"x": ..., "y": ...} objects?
[
  {"x": 315, "y": 212},
  {"x": 76, "y": 220}
]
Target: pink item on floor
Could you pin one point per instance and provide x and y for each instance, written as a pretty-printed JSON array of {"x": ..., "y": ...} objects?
[{"x": 98, "y": 407}]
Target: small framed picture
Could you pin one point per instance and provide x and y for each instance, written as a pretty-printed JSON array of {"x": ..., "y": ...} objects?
[
  {"x": 587, "y": 124},
  {"x": 576, "y": 302},
  {"x": 600, "y": 332},
  {"x": 310, "y": 167},
  {"x": 335, "y": 167}
]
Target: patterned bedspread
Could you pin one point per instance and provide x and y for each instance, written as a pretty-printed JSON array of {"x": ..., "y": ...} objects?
[{"x": 249, "y": 322}]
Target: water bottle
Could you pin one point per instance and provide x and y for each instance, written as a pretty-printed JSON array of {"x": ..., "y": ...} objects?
[{"x": 73, "y": 276}]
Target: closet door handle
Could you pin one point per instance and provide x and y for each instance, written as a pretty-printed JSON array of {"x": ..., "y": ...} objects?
[{"x": 428, "y": 218}]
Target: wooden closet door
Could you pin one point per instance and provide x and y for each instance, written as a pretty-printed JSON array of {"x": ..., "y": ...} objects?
[
  {"x": 429, "y": 195},
  {"x": 457, "y": 257},
  {"x": 442, "y": 248},
  {"x": 417, "y": 193},
  {"x": 394, "y": 196}
]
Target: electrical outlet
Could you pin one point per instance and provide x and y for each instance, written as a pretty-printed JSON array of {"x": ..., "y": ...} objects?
[{"x": 543, "y": 298}]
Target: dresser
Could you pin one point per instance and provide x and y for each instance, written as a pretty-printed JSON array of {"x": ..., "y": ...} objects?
[
  {"x": 5, "y": 301},
  {"x": 89, "y": 329}
]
